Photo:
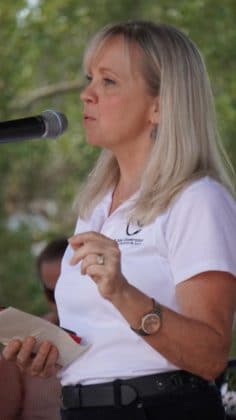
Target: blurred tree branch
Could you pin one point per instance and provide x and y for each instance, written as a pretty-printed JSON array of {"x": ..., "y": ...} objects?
[{"x": 24, "y": 101}]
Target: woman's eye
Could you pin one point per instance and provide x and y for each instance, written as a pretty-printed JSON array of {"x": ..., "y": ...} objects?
[
  {"x": 108, "y": 81},
  {"x": 88, "y": 78}
]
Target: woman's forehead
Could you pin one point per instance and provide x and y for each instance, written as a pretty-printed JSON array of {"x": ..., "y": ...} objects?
[{"x": 115, "y": 47}]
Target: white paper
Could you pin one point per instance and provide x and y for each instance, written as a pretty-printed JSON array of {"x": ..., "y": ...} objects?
[{"x": 16, "y": 324}]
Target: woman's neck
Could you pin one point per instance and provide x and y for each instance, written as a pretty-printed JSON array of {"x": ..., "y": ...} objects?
[
  {"x": 124, "y": 189},
  {"x": 132, "y": 164}
]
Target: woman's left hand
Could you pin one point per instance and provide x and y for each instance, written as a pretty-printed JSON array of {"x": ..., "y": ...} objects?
[{"x": 100, "y": 259}]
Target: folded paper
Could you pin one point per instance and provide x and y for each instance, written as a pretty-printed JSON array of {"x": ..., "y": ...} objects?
[{"x": 16, "y": 324}]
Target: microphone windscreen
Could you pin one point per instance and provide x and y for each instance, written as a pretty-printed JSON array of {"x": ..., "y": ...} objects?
[{"x": 55, "y": 123}]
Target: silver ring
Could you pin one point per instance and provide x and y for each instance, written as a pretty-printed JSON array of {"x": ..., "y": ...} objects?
[{"x": 100, "y": 259}]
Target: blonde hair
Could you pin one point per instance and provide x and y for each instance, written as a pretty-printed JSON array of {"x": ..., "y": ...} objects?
[{"x": 187, "y": 144}]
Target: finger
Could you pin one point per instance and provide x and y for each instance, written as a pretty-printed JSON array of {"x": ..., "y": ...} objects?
[
  {"x": 96, "y": 272},
  {"x": 51, "y": 366},
  {"x": 90, "y": 248},
  {"x": 82, "y": 238},
  {"x": 11, "y": 350},
  {"x": 91, "y": 259},
  {"x": 24, "y": 356},
  {"x": 39, "y": 361}
]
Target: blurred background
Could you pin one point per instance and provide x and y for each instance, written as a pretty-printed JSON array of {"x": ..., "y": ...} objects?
[{"x": 41, "y": 46}]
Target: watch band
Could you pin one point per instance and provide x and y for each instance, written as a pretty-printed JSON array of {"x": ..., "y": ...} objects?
[{"x": 139, "y": 331}]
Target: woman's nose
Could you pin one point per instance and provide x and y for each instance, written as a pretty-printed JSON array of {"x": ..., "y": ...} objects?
[{"x": 88, "y": 94}]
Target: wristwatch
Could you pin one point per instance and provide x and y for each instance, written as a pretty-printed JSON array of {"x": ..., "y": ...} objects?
[{"x": 150, "y": 322}]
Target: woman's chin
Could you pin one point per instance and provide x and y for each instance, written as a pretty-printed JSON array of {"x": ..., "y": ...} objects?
[{"x": 95, "y": 142}]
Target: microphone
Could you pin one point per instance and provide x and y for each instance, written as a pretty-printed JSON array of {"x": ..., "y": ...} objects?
[{"x": 49, "y": 124}]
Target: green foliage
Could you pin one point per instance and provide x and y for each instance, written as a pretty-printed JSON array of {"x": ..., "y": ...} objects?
[
  {"x": 18, "y": 283},
  {"x": 233, "y": 345},
  {"x": 41, "y": 49}
]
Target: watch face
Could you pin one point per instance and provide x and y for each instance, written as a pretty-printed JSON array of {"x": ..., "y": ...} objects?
[{"x": 151, "y": 323}]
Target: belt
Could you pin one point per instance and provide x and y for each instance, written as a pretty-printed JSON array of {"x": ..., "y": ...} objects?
[{"x": 123, "y": 392}]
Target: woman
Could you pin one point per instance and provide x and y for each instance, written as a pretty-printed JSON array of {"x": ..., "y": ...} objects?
[{"x": 148, "y": 279}]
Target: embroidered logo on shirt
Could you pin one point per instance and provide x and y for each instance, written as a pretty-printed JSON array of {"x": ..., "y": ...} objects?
[
  {"x": 131, "y": 230},
  {"x": 129, "y": 241}
]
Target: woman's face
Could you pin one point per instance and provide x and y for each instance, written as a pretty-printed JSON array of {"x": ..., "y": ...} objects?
[{"x": 118, "y": 110}]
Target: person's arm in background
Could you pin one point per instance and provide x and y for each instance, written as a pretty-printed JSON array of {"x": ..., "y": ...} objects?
[{"x": 11, "y": 390}]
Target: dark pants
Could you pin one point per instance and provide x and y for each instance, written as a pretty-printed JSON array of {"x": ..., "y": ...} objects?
[{"x": 200, "y": 405}]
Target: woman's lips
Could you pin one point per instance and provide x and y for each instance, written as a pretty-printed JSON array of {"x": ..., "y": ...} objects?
[{"x": 89, "y": 117}]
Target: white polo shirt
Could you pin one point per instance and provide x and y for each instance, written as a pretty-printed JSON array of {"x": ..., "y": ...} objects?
[{"x": 196, "y": 234}]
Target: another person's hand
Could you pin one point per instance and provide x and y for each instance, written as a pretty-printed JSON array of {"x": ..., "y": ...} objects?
[
  {"x": 100, "y": 259},
  {"x": 42, "y": 363}
]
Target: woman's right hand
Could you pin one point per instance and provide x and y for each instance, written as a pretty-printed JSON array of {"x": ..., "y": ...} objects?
[{"x": 42, "y": 363}]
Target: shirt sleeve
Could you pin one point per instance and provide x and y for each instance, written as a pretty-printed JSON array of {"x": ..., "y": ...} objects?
[{"x": 201, "y": 231}]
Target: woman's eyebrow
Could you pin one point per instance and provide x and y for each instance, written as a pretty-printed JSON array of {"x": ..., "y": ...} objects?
[
  {"x": 103, "y": 69},
  {"x": 108, "y": 70}
]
